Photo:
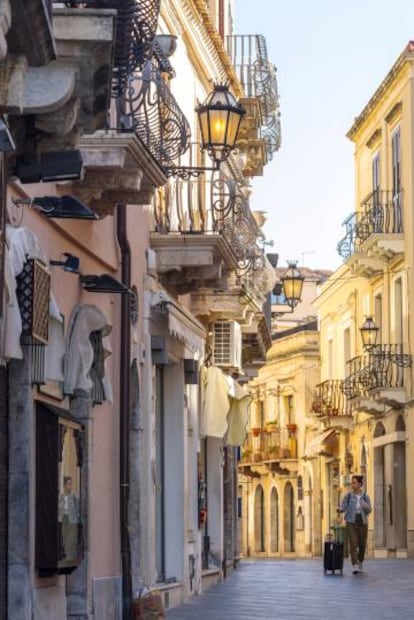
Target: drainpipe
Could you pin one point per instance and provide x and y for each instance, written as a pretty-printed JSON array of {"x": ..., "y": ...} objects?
[{"x": 124, "y": 411}]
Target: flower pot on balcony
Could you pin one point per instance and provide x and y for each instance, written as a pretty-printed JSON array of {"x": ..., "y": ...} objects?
[
  {"x": 256, "y": 432},
  {"x": 274, "y": 453},
  {"x": 292, "y": 428}
]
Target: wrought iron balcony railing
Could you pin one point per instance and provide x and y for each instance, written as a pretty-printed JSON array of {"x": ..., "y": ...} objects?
[
  {"x": 155, "y": 116},
  {"x": 210, "y": 204},
  {"x": 330, "y": 399},
  {"x": 381, "y": 213},
  {"x": 263, "y": 445},
  {"x": 382, "y": 368},
  {"x": 257, "y": 75},
  {"x": 137, "y": 22}
]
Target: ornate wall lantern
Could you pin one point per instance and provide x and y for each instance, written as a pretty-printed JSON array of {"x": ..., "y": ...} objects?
[
  {"x": 292, "y": 283},
  {"x": 369, "y": 334},
  {"x": 219, "y": 118}
]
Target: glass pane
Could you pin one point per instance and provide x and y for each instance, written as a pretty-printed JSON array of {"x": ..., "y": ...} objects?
[{"x": 69, "y": 498}]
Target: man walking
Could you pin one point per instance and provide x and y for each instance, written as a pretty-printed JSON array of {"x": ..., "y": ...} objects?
[{"x": 356, "y": 505}]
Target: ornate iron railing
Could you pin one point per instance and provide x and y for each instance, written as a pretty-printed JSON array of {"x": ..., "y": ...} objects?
[
  {"x": 381, "y": 368},
  {"x": 264, "y": 445},
  {"x": 210, "y": 204},
  {"x": 136, "y": 26},
  {"x": 381, "y": 213},
  {"x": 257, "y": 75},
  {"x": 330, "y": 399},
  {"x": 153, "y": 113}
]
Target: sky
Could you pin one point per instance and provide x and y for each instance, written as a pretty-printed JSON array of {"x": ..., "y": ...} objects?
[{"x": 330, "y": 55}]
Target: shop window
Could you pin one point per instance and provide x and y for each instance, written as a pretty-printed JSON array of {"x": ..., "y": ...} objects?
[{"x": 59, "y": 457}]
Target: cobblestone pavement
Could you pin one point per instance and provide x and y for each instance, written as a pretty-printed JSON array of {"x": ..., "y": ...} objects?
[{"x": 299, "y": 590}]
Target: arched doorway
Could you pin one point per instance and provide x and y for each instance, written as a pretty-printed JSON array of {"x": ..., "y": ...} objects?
[
  {"x": 259, "y": 520},
  {"x": 274, "y": 521},
  {"x": 289, "y": 519},
  {"x": 308, "y": 515},
  {"x": 379, "y": 489},
  {"x": 399, "y": 486}
]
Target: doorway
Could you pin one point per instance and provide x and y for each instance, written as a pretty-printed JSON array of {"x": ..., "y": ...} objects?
[
  {"x": 289, "y": 519},
  {"x": 259, "y": 520},
  {"x": 274, "y": 521}
]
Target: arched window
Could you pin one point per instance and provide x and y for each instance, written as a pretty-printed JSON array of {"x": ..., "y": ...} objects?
[{"x": 274, "y": 521}]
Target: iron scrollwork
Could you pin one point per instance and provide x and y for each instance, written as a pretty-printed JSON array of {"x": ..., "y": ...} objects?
[
  {"x": 136, "y": 25},
  {"x": 155, "y": 115}
]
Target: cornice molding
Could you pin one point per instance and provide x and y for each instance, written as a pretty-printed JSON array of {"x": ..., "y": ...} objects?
[
  {"x": 199, "y": 31},
  {"x": 402, "y": 61}
]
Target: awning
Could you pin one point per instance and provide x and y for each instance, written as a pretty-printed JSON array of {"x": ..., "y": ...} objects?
[
  {"x": 181, "y": 323},
  {"x": 183, "y": 326},
  {"x": 315, "y": 446}
]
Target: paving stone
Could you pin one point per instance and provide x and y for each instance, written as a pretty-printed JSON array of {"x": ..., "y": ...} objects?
[{"x": 299, "y": 590}]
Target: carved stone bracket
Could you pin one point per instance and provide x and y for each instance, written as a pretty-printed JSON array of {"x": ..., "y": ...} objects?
[{"x": 118, "y": 169}]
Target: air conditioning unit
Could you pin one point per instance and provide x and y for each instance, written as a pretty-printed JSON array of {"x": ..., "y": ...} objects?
[{"x": 227, "y": 346}]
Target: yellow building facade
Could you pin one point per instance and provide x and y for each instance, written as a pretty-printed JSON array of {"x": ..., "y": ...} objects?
[
  {"x": 278, "y": 483},
  {"x": 365, "y": 396}
]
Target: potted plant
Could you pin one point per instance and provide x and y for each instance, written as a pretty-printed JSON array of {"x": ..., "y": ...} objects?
[
  {"x": 246, "y": 455},
  {"x": 273, "y": 452},
  {"x": 292, "y": 428},
  {"x": 271, "y": 426},
  {"x": 256, "y": 431}
]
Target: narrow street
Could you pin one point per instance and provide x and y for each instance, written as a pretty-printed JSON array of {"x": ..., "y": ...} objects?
[{"x": 299, "y": 590}]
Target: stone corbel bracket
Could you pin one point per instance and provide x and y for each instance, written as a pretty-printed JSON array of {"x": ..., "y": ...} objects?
[
  {"x": 68, "y": 93},
  {"x": 118, "y": 169}
]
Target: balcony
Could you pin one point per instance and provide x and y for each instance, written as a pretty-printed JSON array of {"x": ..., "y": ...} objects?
[
  {"x": 270, "y": 449},
  {"x": 128, "y": 165},
  {"x": 331, "y": 405},
  {"x": 203, "y": 231},
  {"x": 377, "y": 381},
  {"x": 373, "y": 234},
  {"x": 260, "y": 133}
]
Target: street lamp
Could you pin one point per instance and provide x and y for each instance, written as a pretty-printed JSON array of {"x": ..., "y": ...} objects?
[
  {"x": 369, "y": 334},
  {"x": 292, "y": 283},
  {"x": 219, "y": 118}
]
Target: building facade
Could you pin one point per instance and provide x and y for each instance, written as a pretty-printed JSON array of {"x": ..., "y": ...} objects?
[
  {"x": 366, "y": 391},
  {"x": 132, "y": 289},
  {"x": 280, "y": 482}
]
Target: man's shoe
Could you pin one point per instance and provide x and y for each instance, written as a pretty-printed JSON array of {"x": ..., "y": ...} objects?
[
  {"x": 360, "y": 567},
  {"x": 355, "y": 569}
]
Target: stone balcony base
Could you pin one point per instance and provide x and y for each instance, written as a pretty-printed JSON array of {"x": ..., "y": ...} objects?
[
  {"x": 189, "y": 261},
  {"x": 118, "y": 169}
]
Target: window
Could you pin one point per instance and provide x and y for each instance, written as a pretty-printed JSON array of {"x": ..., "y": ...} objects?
[
  {"x": 347, "y": 347},
  {"x": 59, "y": 458},
  {"x": 289, "y": 408},
  {"x": 398, "y": 309},
  {"x": 376, "y": 172},
  {"x": 378, "y": 315},
  {"x": 330, "y": 359},
  {"x": 396, "y": 181},
  {"x": 396, "y": 162}
]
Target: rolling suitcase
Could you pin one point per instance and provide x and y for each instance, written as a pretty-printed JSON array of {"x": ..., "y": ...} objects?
[{"x": 333, "y": 556}]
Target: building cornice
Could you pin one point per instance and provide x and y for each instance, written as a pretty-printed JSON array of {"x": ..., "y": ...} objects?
[
  {"x": 198, "y": 29},
  {"x": 404, "y": 58}
]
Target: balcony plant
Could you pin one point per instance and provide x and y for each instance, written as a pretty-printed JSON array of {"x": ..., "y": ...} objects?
[
  {"x": 246, "y": 455},
  {"x": 271, "y": 426},
  {"x": 292, "y": 428},
  {"x": 274, "y": 452},
  {"x": 256, "y": 431}
]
